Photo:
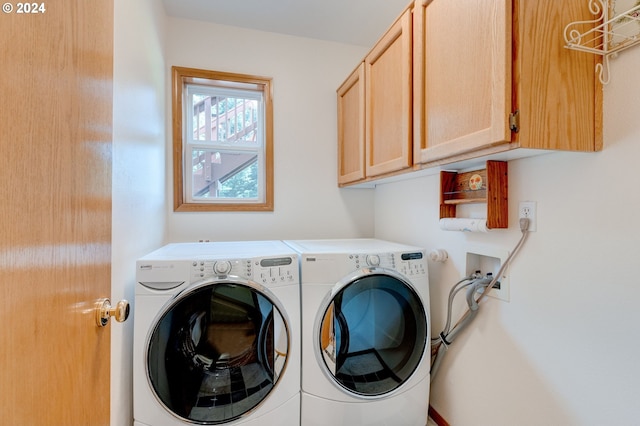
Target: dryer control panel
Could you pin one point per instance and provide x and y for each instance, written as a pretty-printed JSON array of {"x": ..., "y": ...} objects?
[
  {"x": 363, "y": 260},
  {"x": 409, "y": 264},
  {"x": 412, "y": 264}
]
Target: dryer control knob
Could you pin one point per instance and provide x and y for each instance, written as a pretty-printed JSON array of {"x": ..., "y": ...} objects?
[
  {"x": 373, "y": 260},
  {"x": 222, "y": 268}
]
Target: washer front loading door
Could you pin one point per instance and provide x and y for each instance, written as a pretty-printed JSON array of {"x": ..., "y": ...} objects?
[
  {"x": 371, "y": 333},
  {"x": 217, "y": 349}
]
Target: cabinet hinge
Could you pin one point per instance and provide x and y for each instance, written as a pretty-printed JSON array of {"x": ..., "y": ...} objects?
[{"x": 514, "y": 121}]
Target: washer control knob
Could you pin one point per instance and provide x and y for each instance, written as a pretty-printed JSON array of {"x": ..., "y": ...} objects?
[
  {"x": 222, "y": 268},
  {"x": 373, "y": 260}
]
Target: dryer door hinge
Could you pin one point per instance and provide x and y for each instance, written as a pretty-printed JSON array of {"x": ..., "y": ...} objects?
[{"x": 514, "y": 121}]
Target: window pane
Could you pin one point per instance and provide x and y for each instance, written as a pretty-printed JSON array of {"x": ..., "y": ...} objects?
[
  {"x": 224, "y": 118},
  {"x": 225, "y": 175}
]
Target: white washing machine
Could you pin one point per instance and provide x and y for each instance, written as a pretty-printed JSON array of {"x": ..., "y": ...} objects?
[
  {"x": 217, "y": 335},
  {"x": 365, "y": 333}
]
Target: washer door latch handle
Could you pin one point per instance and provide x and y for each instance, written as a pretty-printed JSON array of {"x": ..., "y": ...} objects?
[{"x": 104, "y": 311}]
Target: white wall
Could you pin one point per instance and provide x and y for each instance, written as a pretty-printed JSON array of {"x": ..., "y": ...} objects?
[
  {"x": 564, "y": 350},
  {"x": 306, "y": 74},
  {"x": 139, "y": 203}
]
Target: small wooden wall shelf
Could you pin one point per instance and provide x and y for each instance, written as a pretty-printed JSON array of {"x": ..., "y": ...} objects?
[{"x": 489, "y": 185}]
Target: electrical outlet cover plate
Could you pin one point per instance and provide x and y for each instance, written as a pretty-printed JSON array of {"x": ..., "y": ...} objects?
[
  {"x": 489, "y": 260},
  {"x": 528, "y": 209}
]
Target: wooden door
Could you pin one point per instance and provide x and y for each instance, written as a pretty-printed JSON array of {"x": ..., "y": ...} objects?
[
  {"x": 351, "y": 105},
  {"x": 462, "y": 77},
  {"x": 388, "y": 100},
  {"x": 55, "y": 212}
]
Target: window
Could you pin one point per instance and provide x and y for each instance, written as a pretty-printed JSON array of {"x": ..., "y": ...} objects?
[{"x": 222, "y": 141}]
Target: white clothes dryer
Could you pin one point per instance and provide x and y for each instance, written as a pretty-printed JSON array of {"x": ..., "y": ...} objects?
[
  {"x": 217, "y": 335},
  {"x": 365, "y": 333}
]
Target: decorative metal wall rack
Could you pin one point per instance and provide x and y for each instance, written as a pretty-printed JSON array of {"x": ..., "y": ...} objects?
[{"x": 611, "y": 32}]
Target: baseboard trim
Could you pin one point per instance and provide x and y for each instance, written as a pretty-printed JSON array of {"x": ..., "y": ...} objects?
[{"x": 436, "y": 417}]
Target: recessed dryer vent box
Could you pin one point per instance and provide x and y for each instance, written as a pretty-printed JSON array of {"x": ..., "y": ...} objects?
[{"x": 489, "y": 260}]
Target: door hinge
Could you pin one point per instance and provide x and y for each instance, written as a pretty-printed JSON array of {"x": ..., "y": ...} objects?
[{"x": 514, "y": 121}]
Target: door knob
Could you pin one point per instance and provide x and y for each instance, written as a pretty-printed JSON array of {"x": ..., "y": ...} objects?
[{"x": 104, "y": 311}]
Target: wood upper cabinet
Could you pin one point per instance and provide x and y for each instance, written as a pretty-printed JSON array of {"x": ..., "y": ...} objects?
[
  {"x": 456, "y": 80},
  {"x": 374, "y": 109},
  {"x": 388, "y": 101},
  {"x": 462, "y": 76},
  {"x": 351, "y": 128},
  {"x": 475, "y": 63}
]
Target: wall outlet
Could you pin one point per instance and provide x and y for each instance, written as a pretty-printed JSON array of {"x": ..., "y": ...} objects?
[{"x": 527, "y": 210}]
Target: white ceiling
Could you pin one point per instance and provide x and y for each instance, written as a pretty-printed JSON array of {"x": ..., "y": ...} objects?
[{"x": 359, "y": 22}]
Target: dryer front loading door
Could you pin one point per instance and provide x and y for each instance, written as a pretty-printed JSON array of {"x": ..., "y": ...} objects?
[
  {"x": 371, "y": 333},
  {"x": 216, "y": 350}
]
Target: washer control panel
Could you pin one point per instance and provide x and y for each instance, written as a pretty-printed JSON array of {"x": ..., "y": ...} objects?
[
  {"x": 409, "y": 264},
  {"x": 267, "y": 270}
]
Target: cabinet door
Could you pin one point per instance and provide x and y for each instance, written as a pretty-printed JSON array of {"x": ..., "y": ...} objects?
[
  {"x": 462, "y": 77},
  {"x": 388, "y": 100},
  {"x": 558, "y": 93},
  {"x": 351, "y": 128}
]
